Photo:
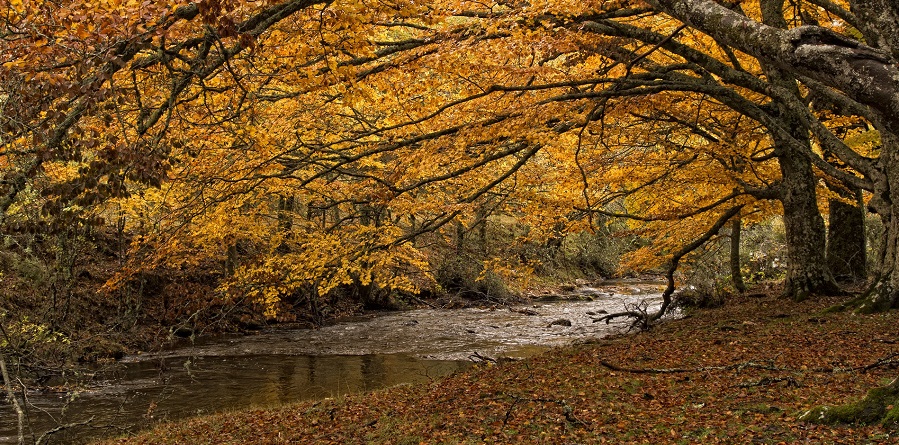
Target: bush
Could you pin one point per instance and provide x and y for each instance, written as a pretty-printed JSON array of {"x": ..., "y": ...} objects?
[
  {"x": 763, "y": 251},
  {"x": 465, "y": 278}
]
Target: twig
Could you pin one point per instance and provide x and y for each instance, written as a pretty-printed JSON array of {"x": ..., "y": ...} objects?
[
  {"x": 770, "y": 381},
  {"x": 884, "y": 361},
  {"x": 737, "y": 366},
  {"x": 61, "y": 428},
  {"x": 421, "y": 301},
  {"x": 889, "y": 360},
  {"x": 567, "y": 410},
  {"x": 478, "y": 358},
  {"x": 12, "y": 397}
]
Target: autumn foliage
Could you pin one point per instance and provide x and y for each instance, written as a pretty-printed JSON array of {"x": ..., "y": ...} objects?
[{"x": 296, "y": 153}]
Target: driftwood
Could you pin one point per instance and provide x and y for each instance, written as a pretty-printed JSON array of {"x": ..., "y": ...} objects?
[{"x": 644, "y": 319}]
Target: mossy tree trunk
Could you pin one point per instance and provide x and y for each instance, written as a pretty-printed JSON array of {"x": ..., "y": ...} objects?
[
  {"x": 807, "y": 272},
  {"x": 880, "y": 406},
  {"x": 846, "y": 255},
  {"x": 884, "y": 294},
  {"x": 806, "y": 237}
]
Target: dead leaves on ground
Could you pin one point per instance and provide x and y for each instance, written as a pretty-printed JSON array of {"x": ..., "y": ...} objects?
[{"x": 738, "y": 374}]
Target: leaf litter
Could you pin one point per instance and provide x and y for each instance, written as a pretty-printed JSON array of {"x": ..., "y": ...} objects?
[{"x": 742, "y": 373}]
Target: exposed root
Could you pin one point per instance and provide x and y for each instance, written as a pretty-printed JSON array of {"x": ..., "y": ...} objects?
[{"x": 736, "y": 366}]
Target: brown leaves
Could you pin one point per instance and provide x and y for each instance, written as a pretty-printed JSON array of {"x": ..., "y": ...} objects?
[{"x": 564, "y": 397}]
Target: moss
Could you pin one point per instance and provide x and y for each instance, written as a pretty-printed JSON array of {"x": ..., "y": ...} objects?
[
  {"x": 836, "y": 308},
  {"x": 892, "y": 416},
  {"x": 881, "y": 405},
  {"x": 760, "y": 408}
]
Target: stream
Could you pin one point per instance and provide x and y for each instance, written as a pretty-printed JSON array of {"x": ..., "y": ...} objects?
[{"x": 282, "y": 365}]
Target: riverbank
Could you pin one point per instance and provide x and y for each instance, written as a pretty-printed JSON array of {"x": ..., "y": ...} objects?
[{"x": 737, "y": 374}]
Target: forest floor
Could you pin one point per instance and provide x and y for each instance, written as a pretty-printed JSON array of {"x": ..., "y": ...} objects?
[{"x": 742, "y": 373}]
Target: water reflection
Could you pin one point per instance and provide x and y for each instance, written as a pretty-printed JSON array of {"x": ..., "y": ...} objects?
[
  {"x": 285, "y": 365},
  {"x": 178, "y": 387}
]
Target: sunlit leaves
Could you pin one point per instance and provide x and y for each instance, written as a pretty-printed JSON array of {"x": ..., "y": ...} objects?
[{"x": 309, "y": 152}]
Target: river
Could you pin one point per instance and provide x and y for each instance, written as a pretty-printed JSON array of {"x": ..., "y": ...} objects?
[{"x": 282, "y": 365}]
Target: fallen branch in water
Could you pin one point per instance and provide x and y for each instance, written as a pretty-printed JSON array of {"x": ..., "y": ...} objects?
[
  {"x": 478, "y": 358},
  {"x": 62, "y": 428}
]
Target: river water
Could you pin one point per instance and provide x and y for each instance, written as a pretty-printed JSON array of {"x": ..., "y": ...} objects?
[{"x": 281, "y": 365}]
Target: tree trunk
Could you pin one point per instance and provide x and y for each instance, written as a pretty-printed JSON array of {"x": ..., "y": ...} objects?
[
  {"x": 846, "y": 249},
  {"x": 807, "y": 272},
  {"x": 735, "y": 272},
  {"x": 884, "y": 294},
  {"x": 459, "y": 240},
  {"x": 20, "y": 413}
]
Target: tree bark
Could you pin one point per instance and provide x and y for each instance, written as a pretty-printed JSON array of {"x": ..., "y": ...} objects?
[
  {"x": 807, "y": 272},
  {"x": 846, "y": 246},
  {"x": 867, "y": 75},
  {"x": 20, "y": 414},
  {"x": 884, "y": 294},
  {"x": 735, "y": 272}
]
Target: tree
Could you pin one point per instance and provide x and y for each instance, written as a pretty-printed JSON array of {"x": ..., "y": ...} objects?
[
  {"x": 861, "y": 74},
  {"x": 380, "y": 125}
]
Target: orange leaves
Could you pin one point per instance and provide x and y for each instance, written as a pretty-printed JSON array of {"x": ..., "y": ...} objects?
[{"x": 379, "y": 124}]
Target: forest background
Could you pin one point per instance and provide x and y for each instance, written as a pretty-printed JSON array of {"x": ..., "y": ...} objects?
[{"x": 174, "y": 168}]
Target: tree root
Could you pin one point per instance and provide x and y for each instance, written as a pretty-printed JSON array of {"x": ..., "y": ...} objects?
[
  {"x": 735, "y": 366},
  {"x": 888, "y": 360}
]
